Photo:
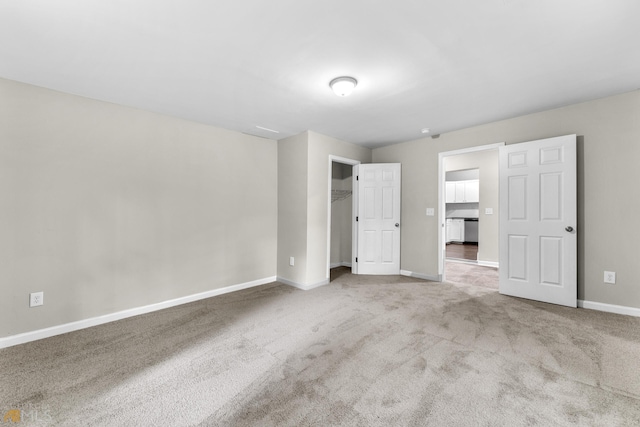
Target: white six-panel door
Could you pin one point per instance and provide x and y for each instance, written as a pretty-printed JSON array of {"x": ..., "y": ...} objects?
[
  {"x": 378, "y": 212},
  {"x": 538, "y": 213}
]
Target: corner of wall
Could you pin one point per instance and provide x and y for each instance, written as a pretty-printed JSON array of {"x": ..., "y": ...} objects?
[{"x": 292, "y": 207}]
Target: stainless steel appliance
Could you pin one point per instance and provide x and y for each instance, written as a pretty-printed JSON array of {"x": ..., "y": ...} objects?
[{"x": 471, "y": 230}]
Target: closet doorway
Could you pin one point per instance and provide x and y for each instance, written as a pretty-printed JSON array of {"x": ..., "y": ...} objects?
[{"x": 341, "y": 233}]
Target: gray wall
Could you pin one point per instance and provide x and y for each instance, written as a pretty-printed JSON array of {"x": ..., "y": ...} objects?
[
  {"x": 608, "y": 151},
  {"x": 107, "y": 208},
  {"x": 292, "y": 207}
]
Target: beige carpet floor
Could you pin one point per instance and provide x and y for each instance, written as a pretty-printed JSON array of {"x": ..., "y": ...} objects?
[
  {"x": 361, "y": 351},
  {"x": 471, "y": 274}
]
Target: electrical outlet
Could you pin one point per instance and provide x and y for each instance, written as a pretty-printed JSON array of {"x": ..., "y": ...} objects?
[
  {"x": 36, "y": 299},
  {"x": 430, "y": 211},
  {"x": 291, "y": 261},
  {"x": 610, "y": 277}
]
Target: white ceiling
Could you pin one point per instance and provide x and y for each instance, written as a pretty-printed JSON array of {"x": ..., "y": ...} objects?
[{"x": 239, "y": 64}]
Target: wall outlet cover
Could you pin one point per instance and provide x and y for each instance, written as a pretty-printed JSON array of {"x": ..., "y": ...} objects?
[
  {"x": 291, "y": 261},
  {"x": 430, "y": 211},
  {"x": 610, "y": 277},
  {"x": 36, "y": 299},
  {"x": 488, "y": 211}
]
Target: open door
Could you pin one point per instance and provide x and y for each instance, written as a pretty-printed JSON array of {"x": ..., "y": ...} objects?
[
  {"x": 377, "y": 211},
  {"x": 538, "y": 214}
]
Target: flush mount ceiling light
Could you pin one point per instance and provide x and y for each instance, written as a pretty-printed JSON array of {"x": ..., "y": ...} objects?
[{"x": 343, "y": 86}]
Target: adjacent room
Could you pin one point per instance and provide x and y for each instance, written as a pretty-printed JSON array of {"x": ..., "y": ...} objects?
[{"x": 312, "y": 214}]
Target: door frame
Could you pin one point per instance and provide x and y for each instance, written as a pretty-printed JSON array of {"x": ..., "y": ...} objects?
[
  {"x": 354, "y": 242},
  {"x": 442, "y": 247}
]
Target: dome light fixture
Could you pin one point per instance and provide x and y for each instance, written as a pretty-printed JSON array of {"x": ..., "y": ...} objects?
[{"x": 343, "y": 86}]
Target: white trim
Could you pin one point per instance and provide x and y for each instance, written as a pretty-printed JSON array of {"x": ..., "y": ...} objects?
[
  {"x": 493, "y": 264},
  {"x": 609, "y": 308},
  {"x": 119, "y": 315},
  {"x": 355, "y": 208},
  {"x": 441, "y": 197},
  {"x": 408, "y": 273},
  {"x": 340, "y": 264},
  {"x": 302, "y": 286},
  {"x": 345, "y": 161}
]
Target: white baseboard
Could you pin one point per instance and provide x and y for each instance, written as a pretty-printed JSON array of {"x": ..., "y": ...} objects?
[
  {"x": 340, "y": 264},
  {"x": 99, "y": 320},
  {"x": 609, "y": 308},
  {"x": 493, "y": 264},
  {"x": 302, "y": 286},
  {"x": 437, "y": 278}
]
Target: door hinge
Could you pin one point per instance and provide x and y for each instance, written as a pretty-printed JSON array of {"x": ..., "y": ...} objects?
[
  {"x": 356, "y": 219},
  {"x": 357, "y": 177},
  {"x": 356, "y": 259}
]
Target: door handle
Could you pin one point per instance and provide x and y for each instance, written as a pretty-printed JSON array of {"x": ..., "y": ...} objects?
[
  {"x": 397, "y": 224},
  {"x": 569, "y": 229}
]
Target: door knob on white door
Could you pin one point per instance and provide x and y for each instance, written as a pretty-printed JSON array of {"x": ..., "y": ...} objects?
[
  {"x": 397, "y": 224},
  {"x": 569, "y": 229}
]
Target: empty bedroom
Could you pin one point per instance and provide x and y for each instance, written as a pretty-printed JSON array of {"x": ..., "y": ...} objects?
[{"x": 296, "y": 213}]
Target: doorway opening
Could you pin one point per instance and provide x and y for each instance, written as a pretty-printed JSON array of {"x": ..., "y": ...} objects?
[
  {"x": 340, "y": 235},
  {"x": 468, "y": 215},
  {"x": 462, "y": 201}
]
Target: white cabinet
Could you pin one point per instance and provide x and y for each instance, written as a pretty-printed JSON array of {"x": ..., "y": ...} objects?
[
  {"x": 455, "y": 230},
  {"x": 450, "y": 193},
  {"x": 472, "y": 191},
  {"x": 462, "y": 191}
]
